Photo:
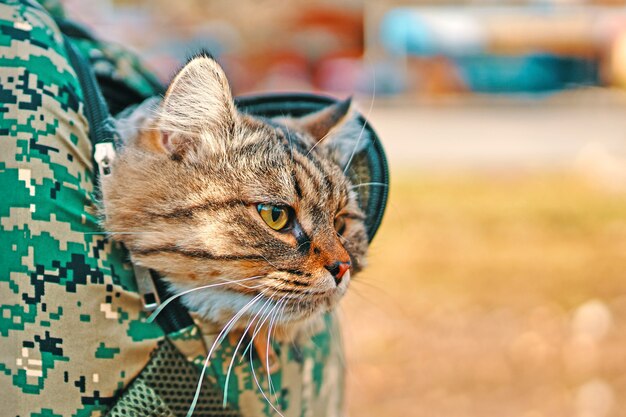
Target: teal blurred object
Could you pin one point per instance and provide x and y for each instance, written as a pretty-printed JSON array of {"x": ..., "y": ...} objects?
[
  {"x": 403, "y": 33},
  {"x": 406, "y": 31},
  {"x": 528, "y": 73},
  {"x": 460, "y": 37}
]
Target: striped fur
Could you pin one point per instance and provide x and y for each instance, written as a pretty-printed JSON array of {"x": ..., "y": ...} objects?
[{"x": 183, "y": 193}]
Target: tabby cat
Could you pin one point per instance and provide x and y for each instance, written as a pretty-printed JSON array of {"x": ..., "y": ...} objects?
[{"x": 205, "y": 194}]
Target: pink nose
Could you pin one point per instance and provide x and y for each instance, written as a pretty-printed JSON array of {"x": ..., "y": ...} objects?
[
  {"x": 338, "y": 270},
  {"x": 343, "y": 268}
]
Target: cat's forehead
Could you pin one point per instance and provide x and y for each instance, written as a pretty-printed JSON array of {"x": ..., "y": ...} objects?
[
  {"x": 269, "y": 133},
  {"x": 280, "y": 161}
]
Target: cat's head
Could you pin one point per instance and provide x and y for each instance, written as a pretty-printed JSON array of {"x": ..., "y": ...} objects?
[{"x": 205, "y": 194}]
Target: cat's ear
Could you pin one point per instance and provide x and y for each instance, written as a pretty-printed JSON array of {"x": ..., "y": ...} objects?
[
  {"x": 338, "y": 128},
  {"x": 197, "y": 105}
]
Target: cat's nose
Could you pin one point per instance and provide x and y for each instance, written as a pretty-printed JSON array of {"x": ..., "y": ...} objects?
[{"x": 338, "y": 270}]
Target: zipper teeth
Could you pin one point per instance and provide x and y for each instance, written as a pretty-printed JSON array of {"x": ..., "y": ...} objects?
[{"x": 95, "y": 106}]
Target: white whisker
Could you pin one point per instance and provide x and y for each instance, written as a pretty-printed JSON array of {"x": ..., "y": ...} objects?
[
  {"x": 366, "y": 184},
  {"x": 220, "y": 337},
  {"x": 232, "y": 361},
  {"x": 260, "y": 326},
  {"x": 267, "y": 260},
  {"x": 180, "y": 294},
  {"x": 270, "y": 383},
  {"x": 116, "y": 233},
  {"x": 170, "y": 129},
  {"x": 369, "y": 113},
  {"x": 308, "y": 242},
  {"x": 318, "y": 142},
  {"x": 290, "y": 142},
  {"x": 256, "y": 380},
  {"x": 343, "y": 238},
  {"x": 257, "y": 329}
]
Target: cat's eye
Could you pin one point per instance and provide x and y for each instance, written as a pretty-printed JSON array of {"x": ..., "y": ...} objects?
[{"x": 276, "y": 217}]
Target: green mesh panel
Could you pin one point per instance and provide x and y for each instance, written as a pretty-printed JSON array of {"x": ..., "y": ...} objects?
[
  {"x": 140, "y": 401},
  {"x": 166, "y": 387}
]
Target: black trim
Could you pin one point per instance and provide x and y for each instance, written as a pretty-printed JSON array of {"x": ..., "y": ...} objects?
[
  {"x": 74, "y": 30},
  {"x": 174, "y": 316},
  {"x": 101, "y": 128}
]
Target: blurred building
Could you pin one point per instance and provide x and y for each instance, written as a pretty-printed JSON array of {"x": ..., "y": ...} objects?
[{"x": 392, "y": 47}]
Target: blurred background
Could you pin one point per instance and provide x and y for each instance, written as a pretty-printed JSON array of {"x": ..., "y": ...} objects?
[{"x": 497, "y": 282}]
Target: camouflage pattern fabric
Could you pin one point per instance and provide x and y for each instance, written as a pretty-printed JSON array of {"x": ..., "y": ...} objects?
[
  {"x": 308, "y": 382},
  {"x": 73, "y": 337},
  {"x": 73, "y": 331}
]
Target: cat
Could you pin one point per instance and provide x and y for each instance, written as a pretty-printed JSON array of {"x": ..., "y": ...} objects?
[{"x": 206, "y": 194}]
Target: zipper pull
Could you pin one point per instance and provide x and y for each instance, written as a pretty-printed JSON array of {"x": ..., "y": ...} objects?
[
  {"x": 146, "y": 287},
  {"x": 104, "y": 156}
]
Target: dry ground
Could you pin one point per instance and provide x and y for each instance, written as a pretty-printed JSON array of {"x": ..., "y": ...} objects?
[{"x": 492, "y": 295}]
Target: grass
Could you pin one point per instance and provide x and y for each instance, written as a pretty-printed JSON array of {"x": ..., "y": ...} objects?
[{"x": 468, "y": 307}]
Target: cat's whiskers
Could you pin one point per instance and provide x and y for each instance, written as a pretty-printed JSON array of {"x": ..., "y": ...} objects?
[
  {"x": 367, "y": 184},
  {"x": 243, "y": 335},
  {"x": 267, "y": 353},
  {"x": 369, "y": 113},
  {"x": 255, "y": 332},
  {"x": 318, "y": 142},
  {"x": 218, "y": 340},
  {"x": 343, "y": 238},
  {"x": 267, "y": 260},
  {"x": 282, "y": 307},
  {"x": 202, "y": 287},
  {"x": 272, "y": 313},
  {"x": 308, "y": 242},
  {"x": 117, "y": 233},
  {"x": 290, "y": 141},
  {"x": 256, "y": 378},
  {"x": 267, "y": 348},
  {"x": 170, "y": 129}
]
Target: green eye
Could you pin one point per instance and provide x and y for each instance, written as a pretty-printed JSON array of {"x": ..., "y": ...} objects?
[{"x": 276, "y": 217}]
